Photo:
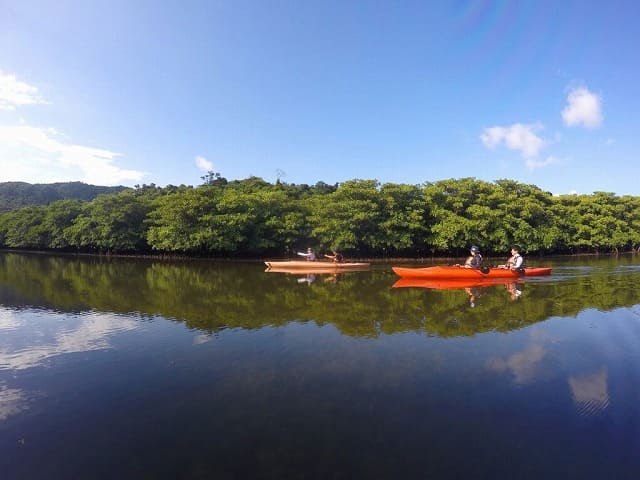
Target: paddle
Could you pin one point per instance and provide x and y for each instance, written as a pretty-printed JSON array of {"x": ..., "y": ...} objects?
[{"x": 484, "y": 270}]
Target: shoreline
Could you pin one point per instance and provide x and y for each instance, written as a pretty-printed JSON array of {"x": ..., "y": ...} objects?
[{"x": 260, "y": 259}]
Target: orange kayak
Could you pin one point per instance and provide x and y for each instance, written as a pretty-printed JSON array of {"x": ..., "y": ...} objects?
[{"x": 467, "y": 273}]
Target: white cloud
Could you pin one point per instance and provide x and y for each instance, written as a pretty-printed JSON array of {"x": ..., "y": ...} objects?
[
  {"x": 518, "y": 137},
  {"x": 572, "y": 192},
  {"x": 41, "y": 155},
  {"x": 14, "y": 93},
  {"x": 533, "y": 163},
  {"x": 584, "y": 108},
  {"x": 204, "y": 164}
]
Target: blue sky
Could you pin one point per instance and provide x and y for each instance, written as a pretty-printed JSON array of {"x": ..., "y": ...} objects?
[{"x": 130, "y": 92}]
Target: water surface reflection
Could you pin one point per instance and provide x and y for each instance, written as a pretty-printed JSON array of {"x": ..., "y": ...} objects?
[
  {"x": 143, "y": 369},
  {"x": 212, "y": 296}
]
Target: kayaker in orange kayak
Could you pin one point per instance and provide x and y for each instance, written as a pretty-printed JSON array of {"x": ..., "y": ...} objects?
[
  {"x": 475, "y": 259},
  {"x": 515, "y": 261}
]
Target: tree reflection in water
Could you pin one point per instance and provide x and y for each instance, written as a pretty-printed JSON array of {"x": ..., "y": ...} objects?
[{"x": 211, "y": 295}]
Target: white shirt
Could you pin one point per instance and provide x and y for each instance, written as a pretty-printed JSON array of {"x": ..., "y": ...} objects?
[
  {"x": 310, "y": 256},
  {"x": 517, "y": 261}
]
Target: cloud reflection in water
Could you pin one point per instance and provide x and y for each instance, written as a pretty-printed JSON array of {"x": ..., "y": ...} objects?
[
  {"x": 590, "y": 392},
  {"x": 32, "y": 338},
  {"x": 50, "y": 334}
]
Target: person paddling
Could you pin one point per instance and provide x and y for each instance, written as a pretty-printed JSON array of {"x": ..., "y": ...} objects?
[
  {"x": 310, "y": 256},
  {"x": 516, "y": 261},
  {"x": 475, "y": 259},
  {"x": 335, "y": 256}
]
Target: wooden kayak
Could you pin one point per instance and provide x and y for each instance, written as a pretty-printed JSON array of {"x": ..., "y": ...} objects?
[
  {"x": 467, "y": 273},
  {"x": 451, "y": 283},
  {"x": 302, "y": 266}
]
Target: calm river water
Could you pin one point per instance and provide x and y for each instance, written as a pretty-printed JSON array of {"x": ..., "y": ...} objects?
[{"x": 120, "y": 368}]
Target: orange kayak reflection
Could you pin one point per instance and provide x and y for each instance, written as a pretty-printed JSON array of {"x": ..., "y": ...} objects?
[{"x": 450, "y": 284}]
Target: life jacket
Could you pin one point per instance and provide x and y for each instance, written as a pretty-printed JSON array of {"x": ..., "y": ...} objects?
[
  {"x": 475, "y": 261},
  {"x": 520, "y": 269}
]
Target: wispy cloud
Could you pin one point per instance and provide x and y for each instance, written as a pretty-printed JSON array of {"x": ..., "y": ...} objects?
[
  {"x": 534, "y": 163},
  {"x": 42, "y": 155},
  {"x": 519, "y": 137},
  {"x": 583, "y": 109},
  {"x": 204, "y": 164},
  {"x": 14, "y": 93}
]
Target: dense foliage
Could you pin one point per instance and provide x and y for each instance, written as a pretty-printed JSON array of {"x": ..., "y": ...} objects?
[
  {"x": 20, "y": 194},
  {"x": 252, "y": 217}
]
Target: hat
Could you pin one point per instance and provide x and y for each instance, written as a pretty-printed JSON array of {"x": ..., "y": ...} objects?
[{"x": 475, "y": 249}]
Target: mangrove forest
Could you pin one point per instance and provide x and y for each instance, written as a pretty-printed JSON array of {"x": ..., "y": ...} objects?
[{"x": 251, "y": 217}]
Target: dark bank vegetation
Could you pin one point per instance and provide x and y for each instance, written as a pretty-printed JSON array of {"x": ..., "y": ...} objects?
[{"x": 363, "y": 218}]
